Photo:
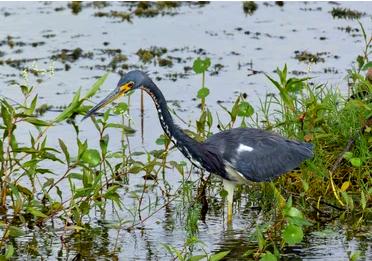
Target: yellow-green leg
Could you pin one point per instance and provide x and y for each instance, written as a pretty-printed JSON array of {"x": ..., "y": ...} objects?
[{"x": 229, "y": 187}]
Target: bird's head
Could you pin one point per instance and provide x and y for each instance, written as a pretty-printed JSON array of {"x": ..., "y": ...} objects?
[{"x": 130, "y": 81}]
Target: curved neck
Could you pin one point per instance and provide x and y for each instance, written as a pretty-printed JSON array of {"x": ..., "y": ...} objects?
[
  {"x": 166, "y": 120},
  {"x": 182, "y": 141}
]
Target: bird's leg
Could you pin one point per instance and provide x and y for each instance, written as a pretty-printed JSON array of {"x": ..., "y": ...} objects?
[{"x": 229, "y": 187}]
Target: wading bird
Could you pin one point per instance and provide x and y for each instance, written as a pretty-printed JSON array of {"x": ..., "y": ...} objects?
[{"x": 236, "y": 155}]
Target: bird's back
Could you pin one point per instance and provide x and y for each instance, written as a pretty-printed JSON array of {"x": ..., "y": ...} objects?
[{"x": 258, "y": 155}]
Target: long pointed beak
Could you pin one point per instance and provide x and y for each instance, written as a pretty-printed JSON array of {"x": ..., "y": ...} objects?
[{"x": 110, "y": 98}]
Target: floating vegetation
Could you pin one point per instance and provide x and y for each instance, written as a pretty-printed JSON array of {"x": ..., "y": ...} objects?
[
  {"x": 147, "y": 55},
  {"x": 118, "y": 59},
  {"x": 216, "y": 69},
  {"x": 11, "y": 42},
  {"x": 346, "y": 13},
  {"x": 151, "y": 9},
  {"x": 307, "y": 57},
  {"x": 75, "y": 6},
  {"x": 249, "y": 7},
  {"x": 66, "y": 55},
  {"x": 165, "y": 62},
  {"x": 124, "y": 16}
]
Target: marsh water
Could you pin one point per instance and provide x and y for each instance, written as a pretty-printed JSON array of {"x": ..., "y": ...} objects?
[{"x": 76, "y": 48}]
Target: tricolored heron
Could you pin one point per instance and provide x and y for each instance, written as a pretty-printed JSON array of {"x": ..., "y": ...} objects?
[{"x": 236, "y": 155}]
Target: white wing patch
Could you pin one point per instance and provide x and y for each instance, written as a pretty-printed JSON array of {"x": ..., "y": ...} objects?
[{"x": 243, "y": 147}]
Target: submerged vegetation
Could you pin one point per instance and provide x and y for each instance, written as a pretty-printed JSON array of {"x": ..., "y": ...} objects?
[{"x": 68, "y": 190}]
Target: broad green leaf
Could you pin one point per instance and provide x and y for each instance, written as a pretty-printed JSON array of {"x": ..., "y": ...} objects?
[
  {"x": 201, "y": 65},
  {"x": 356, "y": 162},
  {"x": 24, "y": 190},
  {"x": 126, "y": 129},
  {"x": 282, "y": 74},
  {"x": 92, "y": 157},
  {"x": 103, "y": 143},
  {"x": 294, "y": 212},
  {"x": 87, "y": 178},
  {"x": 299, "y": 221},
  {"x": 260, "y": 238},
  {"x": 95, "y": 86},
  {"x": 6, "y": 115},
  {"x": 292, "y": 234},
  {"x": 15, "y": 231},
  {"x": 37, "y": 122},
  {"x": 218, "y": 256},
  {"x": 24, "y": 89},
  {"x": 35, "y": 212},
  {"x": 197, "y": 258},
  {"x": 9, "y": 252},
  {"x": 52, "y": 157},
  {"x": 44, "y": 171},
  {"x": 83, "y": 192},
  {"x": 245, "y": 109},
  {"x": 367, "y": 66},
  {"x": 348, "y": 155},
  {"x": 355, "y": 256},
  {"x": 74, "y": 175},
  {"x": 31, "y": 110},
  {"x": 277, "y": 85},
  {"x": 84, "y": 207},
  {"x": 135, "y": 169},
  {"x": 268, "y": 256},
  {"x": 65, "y": 150},
  {"x": 161, "y": 140},
  {"x": 203, "y": 92},
  {"x": 70, "y": 109},
  {"x": 120, "y": 108},
  {"x": 209, "y": 119}
]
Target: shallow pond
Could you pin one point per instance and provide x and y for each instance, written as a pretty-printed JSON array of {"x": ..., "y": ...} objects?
[{"x": 242, "y": 47}]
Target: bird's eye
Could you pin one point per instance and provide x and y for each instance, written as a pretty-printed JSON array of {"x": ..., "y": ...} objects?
[{"x": 130, "y": 84}]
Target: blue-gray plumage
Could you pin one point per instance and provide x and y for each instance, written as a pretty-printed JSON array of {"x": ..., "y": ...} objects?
[
  {"x": 257, "y": 154},
  {"x": 236, "y": 155}
]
